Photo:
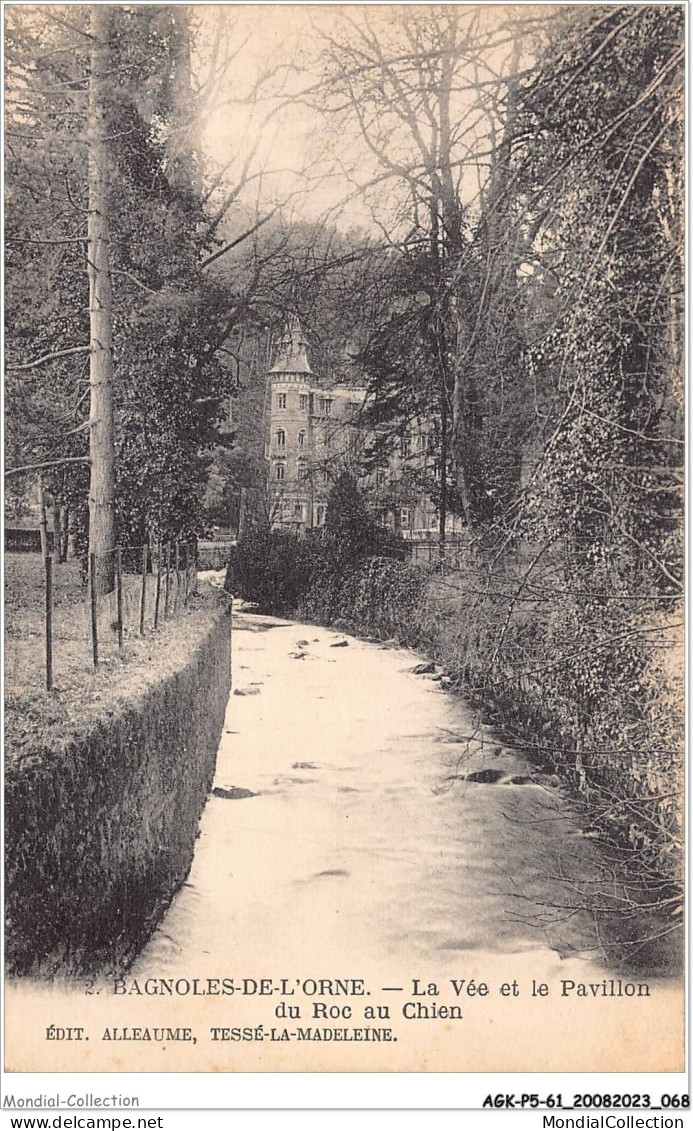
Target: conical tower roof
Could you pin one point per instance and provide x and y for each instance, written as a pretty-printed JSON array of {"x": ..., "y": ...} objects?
[{"x": 291, "y": 349}]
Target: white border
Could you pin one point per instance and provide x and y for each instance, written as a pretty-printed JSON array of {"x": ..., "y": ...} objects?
[{"x": 256, "y": 1098}]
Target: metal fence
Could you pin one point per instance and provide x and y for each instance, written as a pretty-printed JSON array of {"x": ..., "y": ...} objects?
[
  {"x": 129, "y": 592},
  {"x": 433, "y": 553}
]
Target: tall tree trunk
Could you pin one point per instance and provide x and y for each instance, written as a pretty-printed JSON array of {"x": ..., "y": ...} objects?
[
  {"x": 486, "y": 439},
  {"x": 442, "y": 535},
  {"x": 101, "y": 434},
  {"x": 182, "y": 147},
  {"x": 242, "y": 515},
  {"x": 450, "y": 334},
  {"x": 71, "y": 535}
]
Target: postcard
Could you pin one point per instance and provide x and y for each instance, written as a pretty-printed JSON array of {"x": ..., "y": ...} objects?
[{"x": 343, "y": 541}]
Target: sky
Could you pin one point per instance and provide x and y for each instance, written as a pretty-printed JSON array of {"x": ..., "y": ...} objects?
[
  {"x": 313, "y": 162},
  {"x": 274, "y": 45}
]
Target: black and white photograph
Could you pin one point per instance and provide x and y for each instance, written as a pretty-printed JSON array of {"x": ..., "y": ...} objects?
[{"x": 344, "y": 382}]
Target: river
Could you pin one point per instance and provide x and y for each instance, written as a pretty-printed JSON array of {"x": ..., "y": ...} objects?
[
  {"x": 364, "y": 820},
  {"x": 380, "y": 883}
]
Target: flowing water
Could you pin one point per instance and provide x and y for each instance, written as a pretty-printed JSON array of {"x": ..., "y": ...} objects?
[
  {"x": 362, "y": 819},
  {"x": 364, "y": 825}
]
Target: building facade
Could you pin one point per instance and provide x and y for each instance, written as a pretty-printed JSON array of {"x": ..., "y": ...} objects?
[{"x": 315, "y": 433}]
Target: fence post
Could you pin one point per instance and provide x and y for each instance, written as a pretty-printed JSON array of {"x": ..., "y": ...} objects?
[
  {"x": 119, "y": 598},
  {"x": 56, "y": 530},
  {"x": 62, "y": 547},
  {"x": 43, "y": 521},
  {"x": 158, "y": 584},
  {"x": 193, "y": 564},
  {"x": 48, "y": 563},
  {"x": 92, "y": 604},
  {"x": 167, "y": 587},
  {"x": 143, "y": 595},
  {"x": 175, "y": 598}
]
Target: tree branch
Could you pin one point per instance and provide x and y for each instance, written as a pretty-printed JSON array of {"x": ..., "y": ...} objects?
[
  {"x": 49, "y": 243},
  {"x": 240, "y": 239},
  {"x": 127, "y": 275},
  {"x": 48, "y": 463},
  {"x": 50, "y": 357}
]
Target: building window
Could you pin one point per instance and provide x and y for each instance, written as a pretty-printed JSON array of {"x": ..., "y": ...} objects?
[
  {"x": 436, "y": 469},
  {"x": 281, "y": 400},
  {"x": 281, "y": 438},
  {"x": 326, "y": 405},
  {"x": 302, "y": 473},
  {"x": 320, "y": 514},
  {"x": 279, "y": 471},
  {"x": 303, "y": 401},
  {"x": 379, "y": 478},
  {"x": 301, "y": 439},
  {"x": 405, "y": 447},
  {"x": 405, "y": 517},
  {"x": 298, "y": 510}
]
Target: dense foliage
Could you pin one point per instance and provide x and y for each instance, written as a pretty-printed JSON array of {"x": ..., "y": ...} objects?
[
  {"x": 279, "y": 570},
  {"x": 270, "y": 568},
  {"x": 168, "y": 318}
]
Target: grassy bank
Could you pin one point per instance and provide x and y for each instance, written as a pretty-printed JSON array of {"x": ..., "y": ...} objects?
[
  {"x": 105, "y": 781},
  {"x": 77, "y": 687}
]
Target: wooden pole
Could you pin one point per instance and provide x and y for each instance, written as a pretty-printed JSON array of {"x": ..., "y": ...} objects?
[
  {"x": 48, "y": 563},
  {"x": 143, "y": 595},
  {"x": 158, "y": 585},
  {"x": 175, "y": 598},
  {"x": 56, "y": 530},
  {"x": 92, "y": 603},
  {"x": 62, "y": 548},
  {"x": 167, "y": 586},
  {"x": 187, "y": 573},
  {"x": 191, "y": 564},
  {"x": 43, "y": 522},
  {"x": 192, "y": 569},
  {"x": 119, "y": 598}
]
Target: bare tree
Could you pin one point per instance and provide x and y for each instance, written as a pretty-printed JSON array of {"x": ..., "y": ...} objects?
[{"x": 426, "y": 92}]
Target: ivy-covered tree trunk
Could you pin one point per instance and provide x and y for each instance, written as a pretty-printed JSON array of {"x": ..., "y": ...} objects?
[
  {"x": 182, "y": 145},
  {"x": 101, "y": 430}
]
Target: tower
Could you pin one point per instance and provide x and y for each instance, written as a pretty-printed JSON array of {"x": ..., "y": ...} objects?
[{"x": 290, "y": 433}]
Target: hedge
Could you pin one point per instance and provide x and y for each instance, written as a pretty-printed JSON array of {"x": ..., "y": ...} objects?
[{"x": 20, "y": 539}]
